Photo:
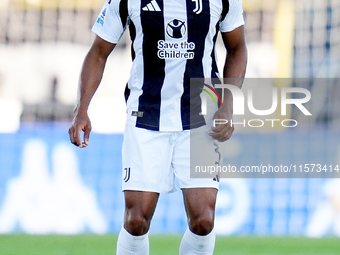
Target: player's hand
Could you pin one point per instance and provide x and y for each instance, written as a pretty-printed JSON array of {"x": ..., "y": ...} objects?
[
  {"x": 81, "y": 122},
  {"x": 222, "y": 132}
]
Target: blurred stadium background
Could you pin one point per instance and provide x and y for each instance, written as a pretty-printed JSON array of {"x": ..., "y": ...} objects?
[{"x": 47, "y": 186}]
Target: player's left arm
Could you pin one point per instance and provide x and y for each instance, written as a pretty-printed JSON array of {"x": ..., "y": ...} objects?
[{"x": 233, "y": 73}]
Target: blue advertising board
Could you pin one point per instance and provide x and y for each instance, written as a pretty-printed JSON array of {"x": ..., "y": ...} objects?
[{"x": 47, "y": 185}]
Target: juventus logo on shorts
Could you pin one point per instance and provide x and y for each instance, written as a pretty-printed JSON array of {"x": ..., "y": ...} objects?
[
  {"x": 199, "y": 6},
  {"x": 127, "y": 174}
]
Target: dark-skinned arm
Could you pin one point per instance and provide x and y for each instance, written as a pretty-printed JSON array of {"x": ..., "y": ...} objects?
[
  {"x": 233, "y": 73},
  {"x": 90, "y": 77}
]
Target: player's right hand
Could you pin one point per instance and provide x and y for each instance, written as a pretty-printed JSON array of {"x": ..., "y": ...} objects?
[{"x": 81, "y": 122}]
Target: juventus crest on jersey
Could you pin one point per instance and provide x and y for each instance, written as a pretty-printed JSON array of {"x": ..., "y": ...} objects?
[{"x": 173, "y": 41}]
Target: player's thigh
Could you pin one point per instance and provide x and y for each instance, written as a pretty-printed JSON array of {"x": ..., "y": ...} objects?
[
  {"x": 200, "y": 202},
  {"x": 140, "y": 203}
]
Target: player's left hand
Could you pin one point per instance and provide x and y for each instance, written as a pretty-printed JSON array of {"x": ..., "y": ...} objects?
[{"x": 222, "y": 132}]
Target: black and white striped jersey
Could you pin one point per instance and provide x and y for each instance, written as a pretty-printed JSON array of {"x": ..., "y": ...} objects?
[{"x": 173, "y": 41}]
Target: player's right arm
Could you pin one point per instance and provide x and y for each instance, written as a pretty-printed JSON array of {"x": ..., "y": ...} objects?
[{"x": 90, "y": 77}]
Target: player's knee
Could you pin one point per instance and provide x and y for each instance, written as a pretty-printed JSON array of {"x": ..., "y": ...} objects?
[
  {"x": 202, "y": 225},
  {"x": 137, "y": 225}
]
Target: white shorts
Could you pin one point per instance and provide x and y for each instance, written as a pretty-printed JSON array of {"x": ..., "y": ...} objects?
[{"x": 152, "y": 160}]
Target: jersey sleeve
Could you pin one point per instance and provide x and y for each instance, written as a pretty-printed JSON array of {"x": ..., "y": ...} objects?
[
  {"x": 112, "y": 21},
  {"x": 234, "y": 17}
]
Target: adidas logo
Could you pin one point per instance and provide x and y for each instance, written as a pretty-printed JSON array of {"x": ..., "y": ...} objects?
[{"x": 152, "y": 7}]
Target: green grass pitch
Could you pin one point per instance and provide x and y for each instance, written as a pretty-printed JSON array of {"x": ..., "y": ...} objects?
[{"x": 164, "y": 245}]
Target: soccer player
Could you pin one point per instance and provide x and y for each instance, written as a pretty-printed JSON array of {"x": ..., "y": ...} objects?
[{"x": 172, "y": 42}]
